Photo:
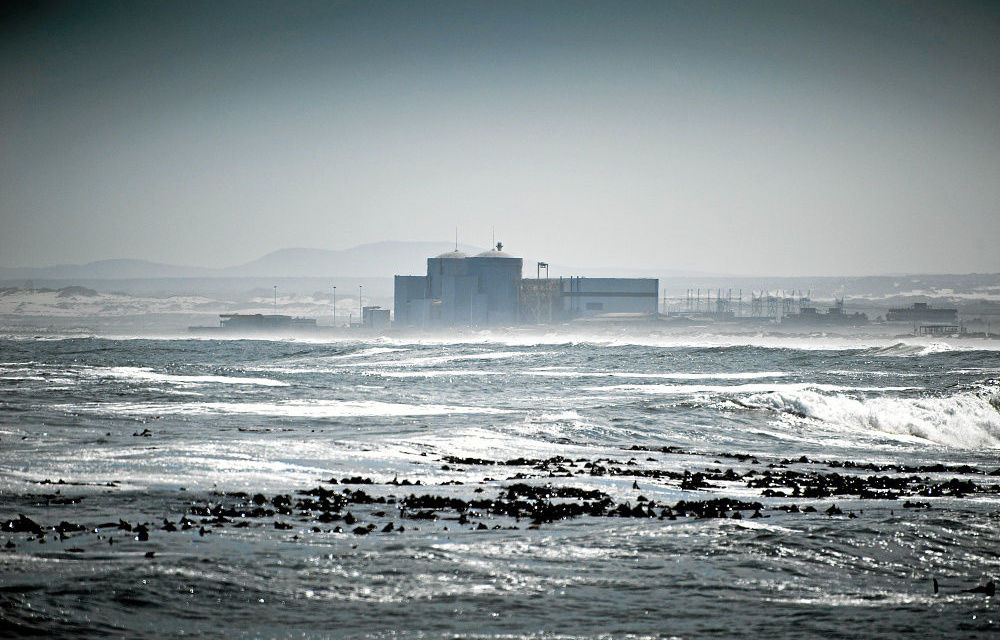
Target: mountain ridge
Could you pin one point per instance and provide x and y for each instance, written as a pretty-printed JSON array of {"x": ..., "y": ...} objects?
[{"x": 370, "y": 260}]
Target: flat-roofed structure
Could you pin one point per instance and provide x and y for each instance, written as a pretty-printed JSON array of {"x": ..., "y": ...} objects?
[
  {"x": 487, "y": 289},
  {"x": 546, "y": 300},
  {"x": 588, "y": 297},
  {"x": 922, "y": 312}
]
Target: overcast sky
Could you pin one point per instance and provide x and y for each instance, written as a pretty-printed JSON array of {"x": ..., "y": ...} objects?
[{"x": 802, "y": 138}]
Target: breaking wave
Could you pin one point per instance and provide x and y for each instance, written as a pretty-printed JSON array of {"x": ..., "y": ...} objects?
[
  {"x": 905, "y": 349},
  {"x": 681, "y": 389},
  {"x": 290, "y": 409},
  {"x": 965, "y": 420},
  {"x": 136, "y": 373},
  {"x": 737, "y": 375}
]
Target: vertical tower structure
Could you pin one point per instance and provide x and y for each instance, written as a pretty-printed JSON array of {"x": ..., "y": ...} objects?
[{"x": 497, "y": 280}]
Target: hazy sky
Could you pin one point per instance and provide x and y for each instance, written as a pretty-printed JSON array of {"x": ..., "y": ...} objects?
[{"x": 761, "y": 139}]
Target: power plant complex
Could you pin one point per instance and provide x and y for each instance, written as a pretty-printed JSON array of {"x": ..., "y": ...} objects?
[{"x": 487, "y": 289}]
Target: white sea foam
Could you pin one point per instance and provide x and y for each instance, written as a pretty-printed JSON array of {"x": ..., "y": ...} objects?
[
  {"x": 856, "y": 373},
  {"x": 365, "y": 353},
  {"x": 740, "y": 375},
  {"x": 291, "y": 409},
  {"x": 914, "y": 349},
  {"x": 705, "y": 339},
  {"x": 426, "y": 361},
  {"x": 559, "y": 416},
  {"x": 494, "y": 444},
  {"x": 434, "y": 373},
  {"x": 136, "y": 373},
  {"x": 963, "y": 420},
  {"x": 680, "y": 389}
]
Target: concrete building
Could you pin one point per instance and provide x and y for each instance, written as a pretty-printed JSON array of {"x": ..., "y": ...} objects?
[
  {"x": 922, "y": 312},
  {"x": 561, "y": 299},
  {"x": 487, "y": 290},
  {"x": 461, "y": 290},
  {"x": 257, "y": 323},
  {"x": 588, "y": 297},
  {"x": 375, "y": 318},
  {"x": 264, "y": 322},
  {"x": 834, "y": 316}
]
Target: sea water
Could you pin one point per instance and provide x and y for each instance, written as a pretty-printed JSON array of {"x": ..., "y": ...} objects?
[{"x": 101, "y": 435}]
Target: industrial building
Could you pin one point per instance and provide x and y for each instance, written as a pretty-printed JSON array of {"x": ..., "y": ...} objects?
[
  {"x": 833, "y": 317},
  {"x": 257, "y": 322},
  {"x": 263, "y": 322},
  {"x": 461, "y": 290},
  {"x": 562, "y": 299},
  {"x": 487, "y": 290},
  {"x": 375, "y": 318},
  {"x": 922, "y": 312}
]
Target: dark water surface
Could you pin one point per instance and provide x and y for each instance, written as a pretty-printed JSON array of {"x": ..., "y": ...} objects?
[{"x": 105, "y": 443}]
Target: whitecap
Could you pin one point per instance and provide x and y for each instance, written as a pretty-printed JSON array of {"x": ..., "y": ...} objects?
[
  {"x": 680, "y": 389},
  {"x": 136, "y": 373},
  {"x": 679, "y": 375},
  {"x": 964, "y": 420},
  {"x": 291, "y": 409}
]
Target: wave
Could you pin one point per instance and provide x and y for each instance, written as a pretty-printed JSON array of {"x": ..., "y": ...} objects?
[
  {"x": 290, "y": 409},
  {"x": 910, "y": 349},
  {"x": 680, "y": 389},
  {"x": 740, "y": 375},
  {"x": 916, "y": 349},
  {"x": 965, "y": 420},
  {"x": 136, "y": 373},
  {"x": 458, "y": 357},
  {"x": 365, "y": 353},
  {"x": 718, "y": 341},
  {"x": 433, "y": 373}
]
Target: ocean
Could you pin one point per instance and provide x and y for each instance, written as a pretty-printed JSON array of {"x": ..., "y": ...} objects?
[{"x": 499, "y": 485}]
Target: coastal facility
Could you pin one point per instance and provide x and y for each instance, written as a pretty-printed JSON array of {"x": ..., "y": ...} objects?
[{"x": 487, "y": 289}]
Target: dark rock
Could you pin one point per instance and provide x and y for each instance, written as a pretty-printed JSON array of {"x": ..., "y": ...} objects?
[
  {"x": 23, "y": 524},
  {"x": 69, "y": 527},
  {"x": 990, "y": 589}
]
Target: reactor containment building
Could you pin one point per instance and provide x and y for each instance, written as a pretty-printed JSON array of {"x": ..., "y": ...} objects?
[{"x": 487, "y": 289}]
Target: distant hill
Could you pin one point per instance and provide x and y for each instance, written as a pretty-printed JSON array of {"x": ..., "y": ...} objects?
[
  {"x": 103, "y": 270},
  {"x": 377, "y": 262},
  {"x": 381, "y": 259},
  {"x": 377, "y": 259}
]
